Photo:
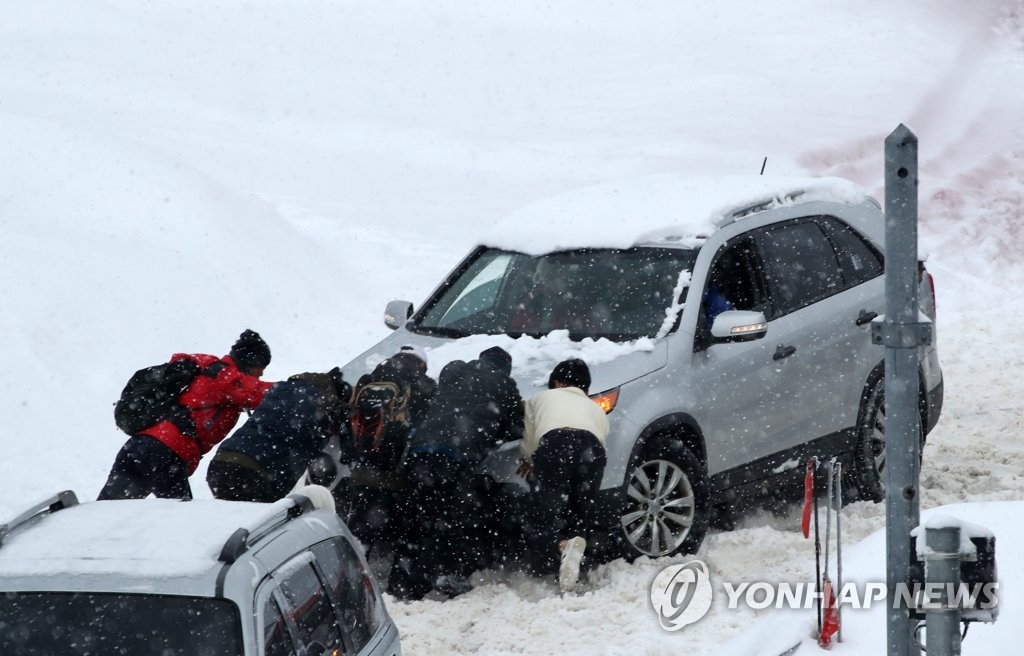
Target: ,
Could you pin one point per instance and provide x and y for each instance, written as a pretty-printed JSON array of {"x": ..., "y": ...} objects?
[
  {"x": 219, "y": 578},
  {"x": 727, "y": 323}
]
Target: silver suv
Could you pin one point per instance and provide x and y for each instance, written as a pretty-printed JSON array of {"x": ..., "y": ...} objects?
[
  {"x": 727, "y": 325},
  {"x": 161, "y": 577}
]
